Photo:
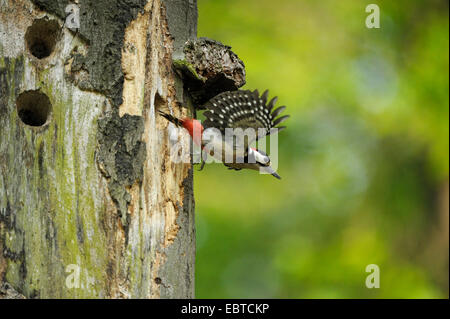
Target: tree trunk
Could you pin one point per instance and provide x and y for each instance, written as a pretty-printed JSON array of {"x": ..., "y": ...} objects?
[{"x": 91, "y": 205}]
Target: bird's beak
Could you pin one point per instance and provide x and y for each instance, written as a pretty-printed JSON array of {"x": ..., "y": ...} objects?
[
  {"x": 269, "y": 170},
  {"x": 274, "y": 174}
]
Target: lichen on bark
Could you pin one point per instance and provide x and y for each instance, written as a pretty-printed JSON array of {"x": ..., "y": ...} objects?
[{"x": 64, "y": 185}]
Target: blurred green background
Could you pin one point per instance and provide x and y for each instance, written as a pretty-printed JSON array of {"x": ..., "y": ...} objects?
[{"x": 364, "y": 161}]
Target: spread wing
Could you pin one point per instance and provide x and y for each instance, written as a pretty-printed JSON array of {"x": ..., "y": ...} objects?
[{"x": 244, "y": 110}]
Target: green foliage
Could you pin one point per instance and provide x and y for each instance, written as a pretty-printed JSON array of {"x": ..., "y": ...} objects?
[{"x": 364, "y": 160}]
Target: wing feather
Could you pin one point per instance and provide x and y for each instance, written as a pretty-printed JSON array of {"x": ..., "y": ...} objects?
[{"x": 244, "y": 109}]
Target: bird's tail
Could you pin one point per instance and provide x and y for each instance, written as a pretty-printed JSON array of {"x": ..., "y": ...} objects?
[{"x": 171, "y": 118}]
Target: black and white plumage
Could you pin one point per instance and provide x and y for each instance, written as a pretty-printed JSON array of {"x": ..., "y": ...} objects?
[
  {"x": 234, "y": 120},
  {"x": 244, "y": 109}
]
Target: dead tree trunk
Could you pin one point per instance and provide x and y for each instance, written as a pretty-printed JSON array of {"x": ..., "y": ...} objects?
[{"x": 91, "y": 206}]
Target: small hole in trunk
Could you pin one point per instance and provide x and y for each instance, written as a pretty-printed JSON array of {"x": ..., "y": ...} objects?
[
  {"x": 41, "y": 37},
  {"x": 33, "y": 108}
]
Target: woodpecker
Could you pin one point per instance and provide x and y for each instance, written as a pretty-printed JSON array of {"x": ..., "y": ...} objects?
[{"x": 241, "y": 109}]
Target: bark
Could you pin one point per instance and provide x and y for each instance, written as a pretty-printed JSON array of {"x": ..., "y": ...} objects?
[
  {"x": 91, "y": 205},
  {"x": 208, "y": 69}
]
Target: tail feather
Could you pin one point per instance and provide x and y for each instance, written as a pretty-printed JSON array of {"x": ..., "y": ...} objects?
[{"x": 171, "y": 118}]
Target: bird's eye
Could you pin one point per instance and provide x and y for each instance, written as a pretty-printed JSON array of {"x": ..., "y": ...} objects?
[{"x": 265, "y": 162}]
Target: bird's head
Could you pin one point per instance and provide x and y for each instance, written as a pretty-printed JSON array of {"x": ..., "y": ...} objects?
[{"x": 262, "y": 161}]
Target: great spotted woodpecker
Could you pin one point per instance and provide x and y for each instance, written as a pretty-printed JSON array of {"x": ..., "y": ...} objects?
[{"x": 235, "y": 112}]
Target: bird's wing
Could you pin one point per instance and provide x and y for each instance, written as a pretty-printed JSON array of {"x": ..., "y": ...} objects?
[{"x": 244, "y": 110}]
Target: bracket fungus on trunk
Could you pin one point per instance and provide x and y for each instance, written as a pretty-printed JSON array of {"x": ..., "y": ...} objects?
[{"x": 208, "y": 69}]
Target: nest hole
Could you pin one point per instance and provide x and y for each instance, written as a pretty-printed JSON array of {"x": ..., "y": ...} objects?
[
  {"x": 41, "y": 37},
  {"x": 33, "y": 108}
]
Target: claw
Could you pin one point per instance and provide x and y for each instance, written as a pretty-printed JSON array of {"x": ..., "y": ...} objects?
[{"x": 204, "y": 156}]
